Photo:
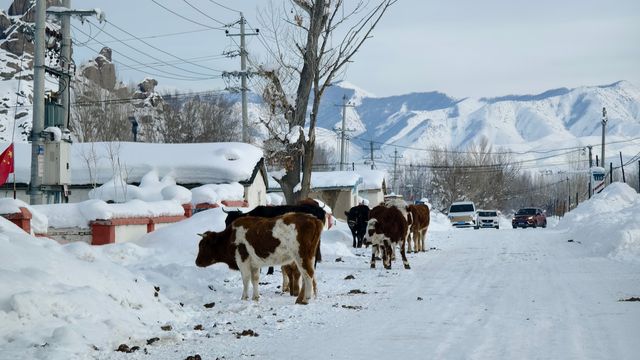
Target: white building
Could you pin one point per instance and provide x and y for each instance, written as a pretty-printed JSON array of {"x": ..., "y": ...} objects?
[{"x": 191, "y": 165}]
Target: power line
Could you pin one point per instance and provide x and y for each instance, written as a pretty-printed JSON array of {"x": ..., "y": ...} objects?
[
  {"x": 169, "y": 76},
  {"x": 574, "y": 148},
  {"x": 186, "y": 18},
  {"x": 155, "y": 36},
  {"x": 203, "y": 13},
  {"x": 196, "y": 59},
  {"x": 161, "y": 50},
  {"x": 223, "y": 6}
]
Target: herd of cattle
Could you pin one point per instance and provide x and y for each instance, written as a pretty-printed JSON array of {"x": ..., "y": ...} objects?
[{"x": 289, "y": 236}]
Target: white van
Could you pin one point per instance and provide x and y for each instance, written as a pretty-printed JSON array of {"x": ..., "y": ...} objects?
[{"x": 462, "y": 214}]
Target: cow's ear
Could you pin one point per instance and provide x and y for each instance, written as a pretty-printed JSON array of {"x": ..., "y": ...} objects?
[{"x": 346, "y": 213}]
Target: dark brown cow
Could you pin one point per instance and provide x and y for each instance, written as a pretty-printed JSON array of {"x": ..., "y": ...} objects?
[
  {"x": 419, "y": 219},
  {"x": 387, "y": 227},
  {"x": 253, "y": 242}
]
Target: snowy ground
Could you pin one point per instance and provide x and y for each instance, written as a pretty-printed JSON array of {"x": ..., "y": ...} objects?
[{"x": 480, "y": 294}]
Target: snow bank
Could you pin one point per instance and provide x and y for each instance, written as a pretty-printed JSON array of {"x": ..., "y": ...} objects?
[
  {"x": 215, "y": 193},
  {"x": 56, "y": 301},
  {"x": 80, "y": 214},
  {"x": 607, "y": 224},
  {"x": 39, "y": 221},
  {"x": 151, "y": 189}
]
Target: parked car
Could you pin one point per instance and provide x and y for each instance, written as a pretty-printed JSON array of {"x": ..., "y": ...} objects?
[
  {"x": 529, "y": 217},
  {"x": 462, "y": 214},
  {"x": 487, "y": 219}
]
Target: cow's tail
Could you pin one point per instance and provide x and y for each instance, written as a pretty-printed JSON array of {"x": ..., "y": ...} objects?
[{"x": 319, "y": 228}]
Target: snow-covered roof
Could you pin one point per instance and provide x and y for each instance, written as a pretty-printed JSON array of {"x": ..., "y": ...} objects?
[
  {"x": 322, "y": 180},
  {"x": 372, "y": 179},
  {"x": 206, "y": 163},
  {"x": 335, "y": 179}
]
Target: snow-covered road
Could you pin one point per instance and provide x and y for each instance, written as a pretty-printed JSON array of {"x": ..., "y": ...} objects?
[
  {"x": 486, "y": 294},
  {"x": 551, "y": 293}
]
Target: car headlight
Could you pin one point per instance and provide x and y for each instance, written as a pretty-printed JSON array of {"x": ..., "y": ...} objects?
[{"x": 530, "y": 218}]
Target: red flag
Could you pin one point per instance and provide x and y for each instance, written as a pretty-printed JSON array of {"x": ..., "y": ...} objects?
[{"x": 6, "y": 164}]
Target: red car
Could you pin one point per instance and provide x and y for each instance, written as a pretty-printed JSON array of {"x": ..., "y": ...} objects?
[{"x": 529, "y": 217}]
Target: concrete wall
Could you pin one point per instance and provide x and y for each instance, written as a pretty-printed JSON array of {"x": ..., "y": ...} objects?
[
  {"x": 256, "y": 193},
  {"x": 344, "y": 200},
  {"x": 126, "y": 233},
  {"x": 375, "y": 197}
]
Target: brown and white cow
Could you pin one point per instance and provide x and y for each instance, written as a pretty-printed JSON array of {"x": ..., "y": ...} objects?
[
  {"x": 419, "y": 219},
  {"x": 253, "y": 242},
  {"x": 387, "y": 227}
]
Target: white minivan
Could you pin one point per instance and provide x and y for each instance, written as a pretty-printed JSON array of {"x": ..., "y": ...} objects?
[{"x": 462, "y": 214}]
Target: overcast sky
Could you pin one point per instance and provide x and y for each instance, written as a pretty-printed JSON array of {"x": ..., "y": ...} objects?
[{"x": 460, "y": 47}]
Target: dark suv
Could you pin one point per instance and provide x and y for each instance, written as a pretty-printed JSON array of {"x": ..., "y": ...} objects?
[{"x": 529, "y": 217}]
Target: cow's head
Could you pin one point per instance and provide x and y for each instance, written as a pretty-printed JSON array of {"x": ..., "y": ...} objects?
[
  {"x": 371, "y": 231},
  {"x": 211, "y": 248}
]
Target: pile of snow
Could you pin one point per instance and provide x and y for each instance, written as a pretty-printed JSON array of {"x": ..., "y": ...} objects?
[
  {"x": 39, "y": 221},
  {"x": 215, "y": 193},
  {"x": 151, "y": 189},
  {"x": 81, "y": 214},
  {"x": 56, "y": 301},
  {"x": 607, "y": 224}
]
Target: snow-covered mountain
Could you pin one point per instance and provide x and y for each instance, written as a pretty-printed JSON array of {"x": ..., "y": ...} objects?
[{"x": 557, "y": 118}]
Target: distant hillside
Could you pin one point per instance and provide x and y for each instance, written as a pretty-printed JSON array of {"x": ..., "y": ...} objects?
[{"x": 550, "y": 120}]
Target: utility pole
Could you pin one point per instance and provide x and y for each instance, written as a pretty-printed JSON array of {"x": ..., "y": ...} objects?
[
  {"x": 65, "y": 63},
  {"x": 569, "y": 193},
  {"x": 604, "y": 125},
  {"x": 244, "y": 74},
  {"x": 371, "y": 157},
  {"x": 343, "y": 132},
  {"x": 624, "y": 179},
  {"x": 395, "y": 170},
  {"x": 37, "y": 143},
  {"x": 590, "y": 156}
]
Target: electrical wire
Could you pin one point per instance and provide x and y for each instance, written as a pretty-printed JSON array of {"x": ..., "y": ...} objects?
[
  {"x": 168, "y": 75},
  {"x": 203, "y": 13},
  {"x": 162, "y": 51},
  {"x": 223, "y": 6},
  {"x": 155, "y": 36},
  {"x": 186, "y": 18}
]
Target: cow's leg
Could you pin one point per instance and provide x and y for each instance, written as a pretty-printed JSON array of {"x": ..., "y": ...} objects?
[
  {"x": 404, "y": 256},
  {"x": 245, "y": 272},
  {"x": 308, "y": 274},
  {"x": 373, "y": 256},
  {"x": 409, "y": 243},
  {"x": 354, "y": 238},
  {"x": 255, "y": 279},
  {"x": 285, "y": 279},
  {"x": 424, "y": 240},
  {"x": 387, "y": 250},
  {"x": 294, "y": 279}
]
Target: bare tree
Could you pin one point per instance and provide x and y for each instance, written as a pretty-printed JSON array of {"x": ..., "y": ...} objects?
[
  {"x": 200, "y": 119},
  {"x": 478, "y": 174},
  {"x": 313, "y": 41},
  {"x": 98, "y": 115}
]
